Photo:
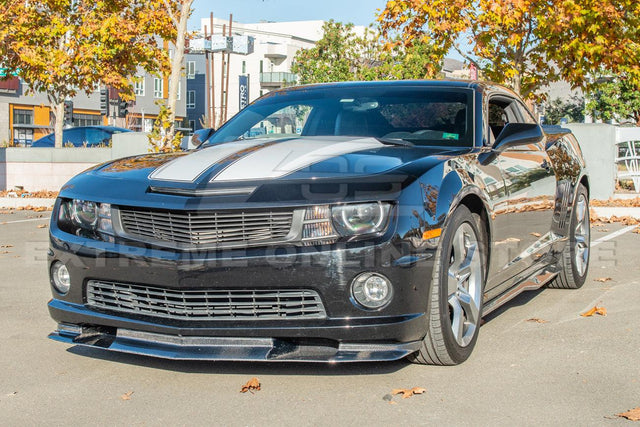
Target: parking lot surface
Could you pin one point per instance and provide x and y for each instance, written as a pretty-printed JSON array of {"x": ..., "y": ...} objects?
[{"x": 537, "y": 362}]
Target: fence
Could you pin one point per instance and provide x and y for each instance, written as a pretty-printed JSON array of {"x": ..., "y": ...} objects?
[{"x": 628, "y": 155}]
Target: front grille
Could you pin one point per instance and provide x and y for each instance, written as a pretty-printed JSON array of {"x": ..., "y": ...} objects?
[
  {"x": 206, "y": 304},
  {"x": 201, "y": 229}
]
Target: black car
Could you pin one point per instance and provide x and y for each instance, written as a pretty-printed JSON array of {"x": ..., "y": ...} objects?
[{"x": 337, "y": 222}]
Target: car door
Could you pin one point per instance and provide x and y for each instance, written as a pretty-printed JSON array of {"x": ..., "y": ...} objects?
[{"x": 523, "y": 235}]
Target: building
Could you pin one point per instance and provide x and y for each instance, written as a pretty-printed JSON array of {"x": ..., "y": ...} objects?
[
  {"x": 26, "y": 117},
  {"x": 267, "y": 68}
]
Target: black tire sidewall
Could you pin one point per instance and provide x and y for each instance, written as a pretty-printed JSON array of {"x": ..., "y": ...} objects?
[
  {"x": 460, "y": 216},
  {"x": 577, "y": 278}
]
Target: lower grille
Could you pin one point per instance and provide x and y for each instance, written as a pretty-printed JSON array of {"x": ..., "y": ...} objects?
[{"x": 205, "y": 304}]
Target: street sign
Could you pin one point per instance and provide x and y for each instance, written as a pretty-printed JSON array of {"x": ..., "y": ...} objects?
[{"x": 243, "y": 91}]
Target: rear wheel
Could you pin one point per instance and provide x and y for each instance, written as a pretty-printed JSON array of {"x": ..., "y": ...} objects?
[
  {"x": 455, "y": 306},
  {"x": 575, "y": 256}
]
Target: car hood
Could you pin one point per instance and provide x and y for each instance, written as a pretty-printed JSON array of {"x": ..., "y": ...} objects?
[{"x": 244, "y": 166}]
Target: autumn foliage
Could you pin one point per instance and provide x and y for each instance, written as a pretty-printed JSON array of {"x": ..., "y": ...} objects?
[
  {"x": 64, "y": 47},
  {"x": 525, "y": 44}
]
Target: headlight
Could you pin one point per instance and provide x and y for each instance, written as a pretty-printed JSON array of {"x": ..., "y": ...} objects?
[
  {"x": 364, "y": 218},
  {"x": 324, "y": 224},
  {"x": 84, "y": 214},
  {"x": 85, "y": 218}
]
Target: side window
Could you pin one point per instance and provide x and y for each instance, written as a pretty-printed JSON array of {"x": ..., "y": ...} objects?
[
  {"x": 527, "y": 117},
  {"x": 502, "y": 110}
]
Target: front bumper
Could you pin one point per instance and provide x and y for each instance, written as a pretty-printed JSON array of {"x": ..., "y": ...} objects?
[
  {"x": 347, "y": 333},
  {"x": 230, "y": 349}
]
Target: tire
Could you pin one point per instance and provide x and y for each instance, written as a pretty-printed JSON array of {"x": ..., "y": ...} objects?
[
  {"x": 574, "y": 259},
  {"x": 455, "y": 305}
]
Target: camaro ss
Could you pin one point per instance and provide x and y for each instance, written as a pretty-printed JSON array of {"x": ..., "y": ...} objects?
[{"x": 337, "y": 222}]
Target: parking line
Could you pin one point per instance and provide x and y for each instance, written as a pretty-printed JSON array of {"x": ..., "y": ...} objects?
[
  {"x": 25, "y": 220},
  {"x": 613, "y": 235}
]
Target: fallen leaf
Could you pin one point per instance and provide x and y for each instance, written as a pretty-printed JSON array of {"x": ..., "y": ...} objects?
[
  {"x": 636, "y": 230},
  {"x": 631, "y": 415},
  {"x": 12, "y": 394},
  {"x": 127, "y": 395},
  {"x": 251, "y": 385},
  {"x": 535, "y": 234},
  {"x": 42, "y": 226},
  {"x": 536, "y": 320},
  {"x": 603, "y": 279},
  {"x": 508, "y": 240},
  {"x": 6, "y": 246},
  {"x": 5, "y": 252},
  {"x": 40, "y": 209},
  {"x": 595, "y": 310},
  {"x": 407, "y": 393}
]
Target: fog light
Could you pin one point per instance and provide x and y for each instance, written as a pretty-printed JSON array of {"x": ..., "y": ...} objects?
[
  {"x": 60, "y": 276},
  {"x": 371, "y": 290}
]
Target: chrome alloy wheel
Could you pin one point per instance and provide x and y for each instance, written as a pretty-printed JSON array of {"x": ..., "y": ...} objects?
[
  {"x": 581, "y": 235},
  {"x": 464, "y": 284}
]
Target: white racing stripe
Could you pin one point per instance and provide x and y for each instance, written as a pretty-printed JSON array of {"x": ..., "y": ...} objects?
[
  {"x": 188, "y": 168},
  {"x": 284, "y": 158}
]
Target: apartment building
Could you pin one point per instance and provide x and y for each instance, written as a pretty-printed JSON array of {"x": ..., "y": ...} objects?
[{"x": 26, "y": 117}]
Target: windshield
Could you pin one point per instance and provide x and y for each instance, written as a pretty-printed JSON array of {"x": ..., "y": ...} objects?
[{"x": 419, "y": 115}]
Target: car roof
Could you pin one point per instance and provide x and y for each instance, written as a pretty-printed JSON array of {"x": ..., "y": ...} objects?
[{"x": 480, "y": 86}]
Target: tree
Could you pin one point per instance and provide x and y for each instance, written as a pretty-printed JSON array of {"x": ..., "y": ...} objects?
[
  {"x": 164, "y": 136},
  {"x": 557, "y": 109},
  {"x": 63, "y": 47},
  {"x": 525, "y": 44},
  {"x": 334, "y": 58},
  {"x": 341, "y": 55},
  {"x": 615, "y": 99}
]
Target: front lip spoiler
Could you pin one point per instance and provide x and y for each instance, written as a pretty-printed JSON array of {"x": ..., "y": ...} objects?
[{"x": 230, "y": 349}]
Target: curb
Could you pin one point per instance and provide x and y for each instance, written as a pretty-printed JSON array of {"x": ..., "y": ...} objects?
[
  {"x": 607, "y": 212},
  {"x": 21, "y": 202}
]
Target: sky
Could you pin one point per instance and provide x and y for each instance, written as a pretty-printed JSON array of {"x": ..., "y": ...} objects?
[{"x": 358, "y": 12}]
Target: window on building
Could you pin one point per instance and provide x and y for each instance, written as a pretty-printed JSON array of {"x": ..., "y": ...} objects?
[
  {"x": 138, "y": 87},
  {"x": 179, "y": 91},
  {"x": 22, "y": 136},
  {"x": 192, "y": 125},
  {"x": 261, "y": 66},
  {"x": 22, "y": 117},
  {"x": 191, "y": 69},
  {"x": 87, "y": 119},
  {"x": 191, "y": 99},
  {"x": 157, "y": 88},
  {"x": 244, "y": 67}
]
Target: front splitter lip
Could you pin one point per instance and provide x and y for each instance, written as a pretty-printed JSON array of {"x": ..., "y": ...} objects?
[{"x": 232, "y": 349}]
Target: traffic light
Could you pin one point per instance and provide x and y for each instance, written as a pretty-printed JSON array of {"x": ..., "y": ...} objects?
[
  {"x": 68, "y": 113},
  {"x": 104, "y": 102},
  {"x": 123, "y": 108}
]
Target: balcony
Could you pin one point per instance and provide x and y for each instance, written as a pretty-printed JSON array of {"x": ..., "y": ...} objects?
[
  {"x": 276, "y": 51},
  {"x": 276, "y": 80}
]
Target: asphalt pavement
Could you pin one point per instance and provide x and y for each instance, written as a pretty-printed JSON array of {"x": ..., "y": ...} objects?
[{"x": 537, "y": 362}]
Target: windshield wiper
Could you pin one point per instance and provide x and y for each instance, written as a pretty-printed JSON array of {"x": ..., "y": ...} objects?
[{"x": 396, "y": 141}]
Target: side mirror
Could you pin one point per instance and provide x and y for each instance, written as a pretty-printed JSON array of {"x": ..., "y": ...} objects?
[{"x": 514, "y": 134}]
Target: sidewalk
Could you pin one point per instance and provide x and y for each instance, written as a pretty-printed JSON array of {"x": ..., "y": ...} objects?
[{"x": 22, "y": 202}]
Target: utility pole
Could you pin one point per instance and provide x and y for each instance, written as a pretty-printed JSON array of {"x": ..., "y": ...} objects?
[
  {"x": 207, "y": 80},
  {"x": 212, "y": 89},
  {"x": 226, "y": 89}
]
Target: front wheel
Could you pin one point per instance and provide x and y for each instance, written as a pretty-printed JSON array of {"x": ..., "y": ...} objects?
[
  {"x": 575, "y": 256},
  {"x": 455, "y": 306}
]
